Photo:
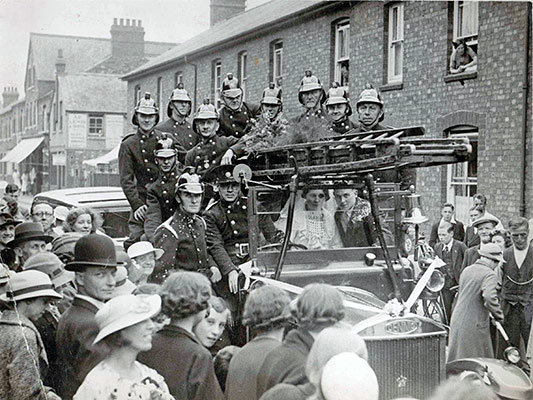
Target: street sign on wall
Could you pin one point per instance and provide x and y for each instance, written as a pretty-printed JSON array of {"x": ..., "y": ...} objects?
[{"x": 77, "y": 131}]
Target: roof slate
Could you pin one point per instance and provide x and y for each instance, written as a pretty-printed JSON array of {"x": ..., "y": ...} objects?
[
  {"x": 93, "y": 93},
  {"x": 253, "y": 19}
]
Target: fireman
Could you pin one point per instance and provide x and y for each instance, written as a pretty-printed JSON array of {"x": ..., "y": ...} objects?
[
  {"x": 339, "y": 109},
  {"x": 235, "y": 114},
  {"x": 312, "y": 96},
  {"x": 178, "y": 110},
  {"x": 212, "y": 150},
  {"x": 160, "y": 197},
  {"x": 137, "y": 165},
  {"x": 182, "y": 236},
  {"x": 370, "y": 110}
]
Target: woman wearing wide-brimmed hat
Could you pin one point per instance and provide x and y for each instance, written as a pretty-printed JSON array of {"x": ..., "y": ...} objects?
[
  {"x": 21, "y": 348},
  {"x": 126, "y": 329}
]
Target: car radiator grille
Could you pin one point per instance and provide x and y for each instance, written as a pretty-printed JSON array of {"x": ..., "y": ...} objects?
[{"x": 408, "y": 366}]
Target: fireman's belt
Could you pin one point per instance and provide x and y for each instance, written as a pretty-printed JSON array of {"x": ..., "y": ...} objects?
[
  {"x": 240, "y": 250},
  {"x": 519, "y": 283}
]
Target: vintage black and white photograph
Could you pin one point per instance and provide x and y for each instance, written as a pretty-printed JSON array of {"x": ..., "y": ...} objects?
[{"x": 266, "y": 200}]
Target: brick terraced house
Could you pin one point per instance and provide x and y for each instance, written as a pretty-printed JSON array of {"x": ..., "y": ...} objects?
[{"x": 404, "y": 49}]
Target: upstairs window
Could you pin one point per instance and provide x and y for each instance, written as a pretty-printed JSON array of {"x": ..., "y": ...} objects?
[
  {"x": 96, "y": 127},
  {"x": 342, "y": 53},
  {"x": 465, "y": 22},
  {"x": 277, "y": 62},
  {"x": 395, "y": 43},
  {"x": 243, "y": 73},
  {"x": 217, "y": 82}
]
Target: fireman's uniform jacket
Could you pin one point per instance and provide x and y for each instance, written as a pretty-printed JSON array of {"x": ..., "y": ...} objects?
[
  {"x": 136, "y": 162},
  {"x": 209, "y": 152},
  {"x": 237, "y": 123},
  {"x": 343, "y": 126},
  {"x": 161, "y": 201},
  {"x": 182, "y": 237},
  {"x": 227, "y": 232},
  {"x": 182, "y": 134},
  {"x": 319, "y": 113}
]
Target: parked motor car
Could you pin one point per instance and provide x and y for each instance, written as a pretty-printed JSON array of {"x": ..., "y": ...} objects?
[{"x": 109, "y": 201}]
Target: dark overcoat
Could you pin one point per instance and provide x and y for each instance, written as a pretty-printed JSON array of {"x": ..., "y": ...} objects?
[
  {"x": 76, "y": 332},
  {"x": 208, "y": 153},
  {"x": 452, "y": 272},
  {"x": 286, "y": 363},
  {"x": 236, "y": 123},
  {"x": 244, "y": 368},
  {"x": 137, "y": 167},
  {"x": 161, "y": 201},
  {"x": 184, "y": 363},
  {"x": 182, "y": 134}
]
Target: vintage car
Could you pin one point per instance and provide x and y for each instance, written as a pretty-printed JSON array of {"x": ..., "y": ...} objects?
[
  {"x": 109, "y": 201},
  {"x": 406, "y": 350}
]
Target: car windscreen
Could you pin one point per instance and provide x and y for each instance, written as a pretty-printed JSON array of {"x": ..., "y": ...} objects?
[{"x": 327, "y": 216}]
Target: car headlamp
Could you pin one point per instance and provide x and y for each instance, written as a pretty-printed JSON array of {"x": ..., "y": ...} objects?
[{"x": 512, "y": 355}]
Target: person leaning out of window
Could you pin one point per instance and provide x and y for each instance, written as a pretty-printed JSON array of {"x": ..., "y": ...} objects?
[{"x": 463, "y": 58}]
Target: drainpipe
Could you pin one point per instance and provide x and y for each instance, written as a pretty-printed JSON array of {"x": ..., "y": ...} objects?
[
  {"x": 195, "y": 80},
  {"x": 525, "y": 94}
]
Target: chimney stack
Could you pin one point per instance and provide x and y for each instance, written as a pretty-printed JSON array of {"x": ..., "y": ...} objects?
[
  {"x": 221, "y": 10},
  {"x": 61, "y": 64},
  {"x": 127, "y": 38},
  {"x": 9, "y": 95}
]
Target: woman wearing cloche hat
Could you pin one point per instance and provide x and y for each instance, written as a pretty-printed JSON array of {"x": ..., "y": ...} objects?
[
  {"x": 125, "y": 329},
  {"x": 21, "y": 348}
]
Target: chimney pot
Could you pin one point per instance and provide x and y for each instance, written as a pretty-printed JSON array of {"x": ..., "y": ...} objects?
[
  {"x": 133, "y": 22},
  {"x": 115, "y": 21},
  {"x": 121, "y": 21},
  {"x": 139, "y": 22},
  {"x": 127, "y": 22}
]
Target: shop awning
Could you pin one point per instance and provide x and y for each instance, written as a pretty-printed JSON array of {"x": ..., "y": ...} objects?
[
  {"x": 105, "y": 159},
  {"x": 22, "y": 150}
]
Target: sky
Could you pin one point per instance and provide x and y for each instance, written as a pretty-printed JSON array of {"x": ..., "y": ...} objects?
[{"x": 163, "y": 20}]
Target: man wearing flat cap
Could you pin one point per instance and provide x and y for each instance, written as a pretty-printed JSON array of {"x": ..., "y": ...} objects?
[
  {"x": 476, "y": 301},
  {"x": 485, "y": 226},
  {"x": 177, "y": 126},
  {"x": 516, "y": 276},
  {"x": 29, "y": 239},
  {"x": 235, "y": 114},
  {"x": 95, "y": 265}
]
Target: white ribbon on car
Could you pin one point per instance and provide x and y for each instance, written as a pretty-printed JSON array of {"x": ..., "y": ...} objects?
[{"x": 415, "y": 294}]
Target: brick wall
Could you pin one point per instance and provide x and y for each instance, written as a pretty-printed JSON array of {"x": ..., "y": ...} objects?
[{"x": 492, "y": 101}]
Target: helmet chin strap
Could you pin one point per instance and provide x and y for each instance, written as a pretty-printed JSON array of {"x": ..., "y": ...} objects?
[
  {"x": 180, "y": 114},
  {"x": 374, "y": 123}
]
